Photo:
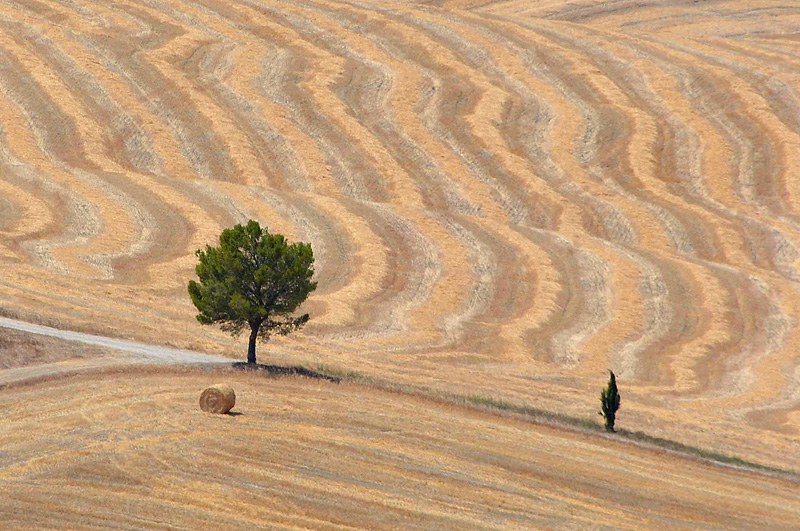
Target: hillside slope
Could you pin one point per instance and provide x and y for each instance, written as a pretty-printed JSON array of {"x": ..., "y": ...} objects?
[
  {"x": 133, "y": 450},
  {"x": 504, "y": 198}
]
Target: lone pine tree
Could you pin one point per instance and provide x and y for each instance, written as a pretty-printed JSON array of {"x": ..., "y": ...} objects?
[
  {"x": 253, "y": 279},
  {"x": 609, "y": 402}
]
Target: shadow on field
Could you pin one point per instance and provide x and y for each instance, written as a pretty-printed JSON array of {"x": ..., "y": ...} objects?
[{"x": 280, "y": 370}]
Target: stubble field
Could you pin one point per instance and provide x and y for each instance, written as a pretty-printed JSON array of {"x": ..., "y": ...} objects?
[
  {"x": 504, "y": 198},
  {"x": 132, "y": 450}
]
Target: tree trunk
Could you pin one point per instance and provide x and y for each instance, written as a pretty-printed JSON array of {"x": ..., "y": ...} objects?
[{"x": 251, "y": 347}]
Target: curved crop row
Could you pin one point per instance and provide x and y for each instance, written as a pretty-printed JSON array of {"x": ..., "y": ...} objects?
[{"x": 507, "y": 197}]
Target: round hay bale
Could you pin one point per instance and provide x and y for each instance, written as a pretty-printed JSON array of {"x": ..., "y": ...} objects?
[{"x": 218, "y": 398}]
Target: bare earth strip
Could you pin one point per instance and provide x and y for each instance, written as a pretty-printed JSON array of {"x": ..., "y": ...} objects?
[
  {"x": 158, "y": 353},
  {"x": 33, "y": 352},
  {"x": 20, "y": 350}
]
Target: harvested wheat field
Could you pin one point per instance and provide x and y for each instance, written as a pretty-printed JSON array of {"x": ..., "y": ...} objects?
[
  {"x": 133, "y": 450},
  {"x": 504, "y": 199}
]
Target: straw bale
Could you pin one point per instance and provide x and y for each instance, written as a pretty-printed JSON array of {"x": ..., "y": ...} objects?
[{"x": 219, "y": 398}]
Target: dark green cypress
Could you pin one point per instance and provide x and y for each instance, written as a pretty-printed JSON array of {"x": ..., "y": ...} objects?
[{"x": 609, "y": 402}]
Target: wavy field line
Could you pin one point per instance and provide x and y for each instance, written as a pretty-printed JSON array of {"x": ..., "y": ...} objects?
[{"x": 505, "y": 198}]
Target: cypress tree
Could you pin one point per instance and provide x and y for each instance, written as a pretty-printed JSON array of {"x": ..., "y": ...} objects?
[{"x": 609, "y": 402}]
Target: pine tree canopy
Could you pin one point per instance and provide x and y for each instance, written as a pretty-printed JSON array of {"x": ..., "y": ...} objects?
[{"x": 253, "y": 278}]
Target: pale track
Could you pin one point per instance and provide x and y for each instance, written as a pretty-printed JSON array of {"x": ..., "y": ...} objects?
[{"x": 504, "y": 198}]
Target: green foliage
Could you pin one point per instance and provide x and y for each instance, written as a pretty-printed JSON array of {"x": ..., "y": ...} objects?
[
  {"x": 253, "y": 278},
  {"x": 609, "y": 402}
]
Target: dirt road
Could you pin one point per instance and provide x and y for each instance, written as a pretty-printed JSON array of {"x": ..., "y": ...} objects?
[{"x": 130, "y": 352}]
